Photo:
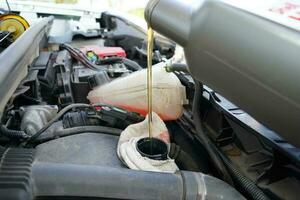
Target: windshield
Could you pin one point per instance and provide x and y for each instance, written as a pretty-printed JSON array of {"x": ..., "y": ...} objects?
[{"x": 134, "y": 7}]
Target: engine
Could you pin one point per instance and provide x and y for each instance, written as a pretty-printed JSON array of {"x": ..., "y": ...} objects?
[
  {"x": 60, "y": 135},
  {"x": 58, "y": 79},
  {"x": 51, "y": 132}
]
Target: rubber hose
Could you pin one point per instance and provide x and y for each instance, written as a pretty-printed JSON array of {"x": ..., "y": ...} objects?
[
  {"x": 58, "y": 115},
  {"x": 183, "y": 159},
  {"x": 15, "y": 134},
  {"x": 132, "y": 65},
  {"x": 221, "y": 169},
  {"x": 143, "y": 53},
  {"x": 180, "y": 67},
  {"x": 79, "y": 130}
]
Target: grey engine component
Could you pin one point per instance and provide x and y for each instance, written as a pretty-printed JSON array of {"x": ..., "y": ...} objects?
[
  {"x": 35, "y": 117},
  {"x": 90, "y": 158},
  {"x": 228, "y": 42}
]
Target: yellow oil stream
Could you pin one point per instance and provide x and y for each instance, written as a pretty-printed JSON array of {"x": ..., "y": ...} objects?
[{"x": 150, "y": 35}]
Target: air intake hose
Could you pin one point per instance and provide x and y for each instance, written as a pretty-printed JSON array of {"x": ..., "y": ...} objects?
[{"x": 57, "y": 179}]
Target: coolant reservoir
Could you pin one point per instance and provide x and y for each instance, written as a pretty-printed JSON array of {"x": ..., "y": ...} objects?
[{"x": 130, "y": 93}]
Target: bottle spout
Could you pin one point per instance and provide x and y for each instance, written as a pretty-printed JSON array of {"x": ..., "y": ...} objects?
[{"x": 171, "y": 18}]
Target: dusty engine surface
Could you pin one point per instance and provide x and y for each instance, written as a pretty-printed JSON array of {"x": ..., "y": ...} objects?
[{"x": 68, "y": 146}]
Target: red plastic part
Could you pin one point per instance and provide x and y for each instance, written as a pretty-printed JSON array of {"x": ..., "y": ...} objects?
[
  {"x": 103, "y": 52},
  {"x": 141, "y": 111}
]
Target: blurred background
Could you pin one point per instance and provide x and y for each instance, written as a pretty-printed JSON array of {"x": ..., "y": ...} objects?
[{"x": 134, "y": 7}]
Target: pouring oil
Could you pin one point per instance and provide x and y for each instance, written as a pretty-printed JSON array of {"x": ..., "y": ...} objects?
[{"x": 150, "y": 35}]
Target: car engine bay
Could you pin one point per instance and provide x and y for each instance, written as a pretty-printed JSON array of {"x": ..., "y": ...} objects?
[{"x": 55, "y": 144}]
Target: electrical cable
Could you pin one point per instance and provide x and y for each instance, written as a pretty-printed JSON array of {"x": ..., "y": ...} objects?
[
  {"x": 249, "y": 186},
  {"x": 78, "y": 130},
  {"x": 224, "y": 166},
  {"x": 221, "y": 169},
  {"x": 6, "y": 36},
  {"x": 59, "y": 115},
  {"x": 8, "y": 6},
  {"x": 81, "y": 57}
]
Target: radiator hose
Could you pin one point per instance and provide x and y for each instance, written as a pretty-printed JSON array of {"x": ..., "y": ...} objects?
[
  {"x": 183, "y": 159},
  {"x": 13, "y": 134}
]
